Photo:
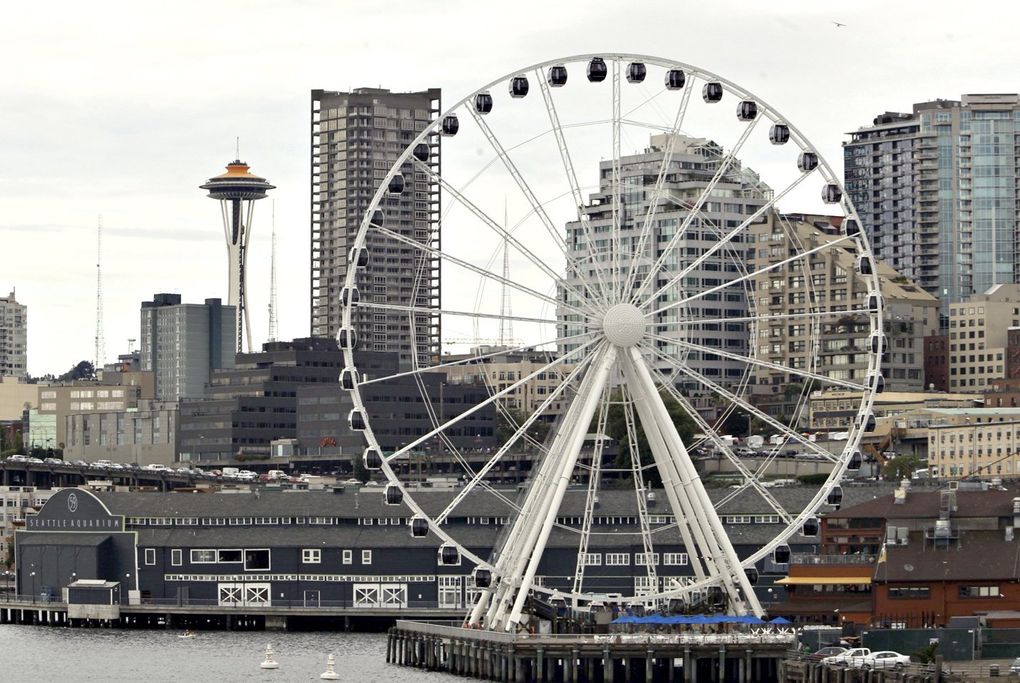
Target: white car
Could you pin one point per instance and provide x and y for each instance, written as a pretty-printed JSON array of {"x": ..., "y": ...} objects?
[
  {"x": 851, "y": 658},
  {"x": 886, "y": 659}
]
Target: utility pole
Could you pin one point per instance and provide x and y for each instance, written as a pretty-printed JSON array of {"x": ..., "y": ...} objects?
[{"x": 100, "y": 350}]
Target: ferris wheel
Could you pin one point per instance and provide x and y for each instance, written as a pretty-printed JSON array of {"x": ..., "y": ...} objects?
[{"x": 614, "y": 219}]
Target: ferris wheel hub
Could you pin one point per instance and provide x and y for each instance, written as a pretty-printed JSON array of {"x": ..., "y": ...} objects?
[{"x": 624, "y": 325}]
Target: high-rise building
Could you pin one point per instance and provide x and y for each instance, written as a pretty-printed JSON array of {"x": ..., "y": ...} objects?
[
  {"x": 740, "y": 193},
  {"x": 355, "y": 138},
  {"x": 937, "y": 191},
  {"x": 13, "y": 337},
  {"x": 182, "y": 343},
  {"x": 829, "y": 279}
]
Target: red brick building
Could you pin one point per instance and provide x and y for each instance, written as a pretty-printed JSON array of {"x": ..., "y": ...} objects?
[{"x": 936, "y": 362}]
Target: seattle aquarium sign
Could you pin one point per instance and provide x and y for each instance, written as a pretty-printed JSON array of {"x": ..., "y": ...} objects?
[{"x": 74, "y": 510}]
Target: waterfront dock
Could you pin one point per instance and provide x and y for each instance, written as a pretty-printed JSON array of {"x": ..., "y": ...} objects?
[{"x": 689, "y": 657}]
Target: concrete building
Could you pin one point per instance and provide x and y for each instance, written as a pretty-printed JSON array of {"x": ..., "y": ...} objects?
[
  {"x": 13, "y": 337},
  {"x": 829, "y": 279},
  {"x": 937, "y": 192},
  {"x": 738, "y": 194},
  {"x": 42, "y": 430},
  {"x": 145, "y": 434},
  {"x": 291, "y": 391},
  {"x": 978, "y": 337},
  {"x": 16, "y": 397},
  {"x": 835, "y": 409},
  {"x": 182, "y": 343},
  {"x": 355, "y": 138},
  {"x": 497, "y": 372},
  {"x": 57, "y": 402},
  {"x": 981, "y": 443}
]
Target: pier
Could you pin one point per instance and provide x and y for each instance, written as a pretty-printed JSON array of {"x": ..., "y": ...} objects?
[{"x": 590, "y": 658}]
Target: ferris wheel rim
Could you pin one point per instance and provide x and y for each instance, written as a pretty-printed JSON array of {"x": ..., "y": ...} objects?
[{"x": 765, "y": 111}]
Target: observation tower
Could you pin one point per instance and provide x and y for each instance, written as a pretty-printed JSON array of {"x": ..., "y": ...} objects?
[{"x": 237, "y": 191}]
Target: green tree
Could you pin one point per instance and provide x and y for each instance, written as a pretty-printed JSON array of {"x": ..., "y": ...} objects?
[
  {"x": 361, "y": 472},
  {"x": 616, "y": 428},
  {"x": 508, "y": 421},
  {"x": 901, "y": 467}
]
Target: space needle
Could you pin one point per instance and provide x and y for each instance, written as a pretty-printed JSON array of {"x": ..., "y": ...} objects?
[{"x": 237, "y": 191}]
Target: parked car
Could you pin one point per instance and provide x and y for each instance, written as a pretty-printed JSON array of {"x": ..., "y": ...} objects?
[
  {"x": 1014, "y": 668},
  {"x": 851, "y": 658},
  {"x": 886, "y": 659},
  {"x": 17, "y": 457},
  {"x": 53, "y": 461},
  {"x": 831, "y": 651}
]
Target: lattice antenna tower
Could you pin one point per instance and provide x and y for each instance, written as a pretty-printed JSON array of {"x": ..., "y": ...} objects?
[
  {"x": 506, "y": 331},
  {"x": 100, "y": 350},
  {"x": 273, "y": 325}
]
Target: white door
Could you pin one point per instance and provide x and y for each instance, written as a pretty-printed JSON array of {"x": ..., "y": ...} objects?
[
  {"x": 449, "y": 591},
  {"x": 230, "y": 594},
  {"x": 256, "y": 594},
  {"x": 393, "y": 595},
  {"x": 366, "y": 595}
]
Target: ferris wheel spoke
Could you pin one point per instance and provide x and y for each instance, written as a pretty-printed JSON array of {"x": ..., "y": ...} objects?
[
  {"x": 478, "y": 270},
  {"x": 708, "y": 253},
  {"x": 750, "y": 478},
  {"x": 695, "y": 322},
  {"x": 751, "y": 360},
  {"x": 490, "y": 400},
  {"x": 694, "y": 210},
  {"x": 473, "y": 359},
  {"x": 502, "y": 231},
  {"x": 747, "y": 407},
  {"x": 443, "y": 311},
  {"x": 537, "y": 207},
  {"x": 571, "y": 175},
  {"x": 616, "y": 189},
  {"x": 521, "y": 430},
  {"x": 656, "y": 196},
  {"x": 640, "y": 492},
  {"x": 753, "y": 274}
]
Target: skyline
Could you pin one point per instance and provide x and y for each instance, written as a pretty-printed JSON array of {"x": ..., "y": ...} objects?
[{"x": 90, "y": 128}]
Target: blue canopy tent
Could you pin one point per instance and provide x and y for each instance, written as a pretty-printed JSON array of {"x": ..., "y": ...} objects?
[{"x": 780, "y": 621}]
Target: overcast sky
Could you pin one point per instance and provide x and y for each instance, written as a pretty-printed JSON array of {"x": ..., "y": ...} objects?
[{"x": 123, "y": 109}]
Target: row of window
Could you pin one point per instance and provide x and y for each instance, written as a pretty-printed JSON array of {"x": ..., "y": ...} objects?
[
  {"x": 640, "y": 559},
  {"x": 253, "y": 559}
]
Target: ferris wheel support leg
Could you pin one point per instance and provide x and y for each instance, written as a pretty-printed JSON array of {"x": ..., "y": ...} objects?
[
  {"x": 684, "y": 510},
  {"x": 707, "y": 514},
  {"x": 591, "y": 395},
  {"x": 515, "y": 552}
]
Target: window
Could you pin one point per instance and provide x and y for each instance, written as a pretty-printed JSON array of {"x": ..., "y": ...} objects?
[
  {"x": 592, "y": 560},
  {"x": 256, "y": 559},
  {"x": 230, "y": 556},
  {"x": 203, "y": 557},
  {"x": 311, "y": 556},
  {"x": 639, "y": 559},
  {"x": 617, "y": 559},
  {"x": 366, "y": 557},
  {"x": 979, "y": 591},
  {"x": 175, "y": 557},
  {"x": 150, "y": 556},
  {"x": 675, "y": 559},
  {"x": 909, "y": 592},
  {"x": 348, "y": 557}
]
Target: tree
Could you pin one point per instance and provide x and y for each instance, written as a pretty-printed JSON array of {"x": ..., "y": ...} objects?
[
  {"x": 616, "y": 428},
  {"x": 901, "y": 467},
  {"x": 83, "y": 370},
  {"x": 509, "y": 420},
  {"x": 361, "y": 472}
]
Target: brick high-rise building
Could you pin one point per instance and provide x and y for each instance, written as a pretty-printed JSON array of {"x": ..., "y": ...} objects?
[{"x": 355, "y": 138}]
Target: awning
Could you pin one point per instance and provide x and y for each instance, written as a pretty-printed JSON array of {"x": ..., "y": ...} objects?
[{"x": 825, "y": 580}]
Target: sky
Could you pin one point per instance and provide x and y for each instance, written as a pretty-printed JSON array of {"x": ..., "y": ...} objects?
[{"x": 124, "y": 109}]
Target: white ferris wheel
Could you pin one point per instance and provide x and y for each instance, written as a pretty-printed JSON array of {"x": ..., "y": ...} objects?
[{"x": 614, "y": 216}]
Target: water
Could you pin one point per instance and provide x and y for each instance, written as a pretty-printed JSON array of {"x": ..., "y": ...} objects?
[{"x": 34, "y": 653}]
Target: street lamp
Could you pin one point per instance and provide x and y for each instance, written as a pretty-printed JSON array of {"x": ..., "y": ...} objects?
[{"x": 33, "y": 587}]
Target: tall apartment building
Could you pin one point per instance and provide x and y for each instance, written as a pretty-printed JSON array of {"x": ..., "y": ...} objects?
[
  {"x": 13, "y": 337},
  {"x": 355, "y": 138},
  {"x": 738, "y": 194},
  {"x": 829, "y": 280},
  {"x": 978, "y": 337},
  {"x": 937, "y": 190},
  {"x": 182, "y": 343}
]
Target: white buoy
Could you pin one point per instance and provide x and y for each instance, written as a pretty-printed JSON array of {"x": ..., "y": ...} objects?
[
  {"x": 330, "y": 673},
  {"x": 269, "y": 662}
]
